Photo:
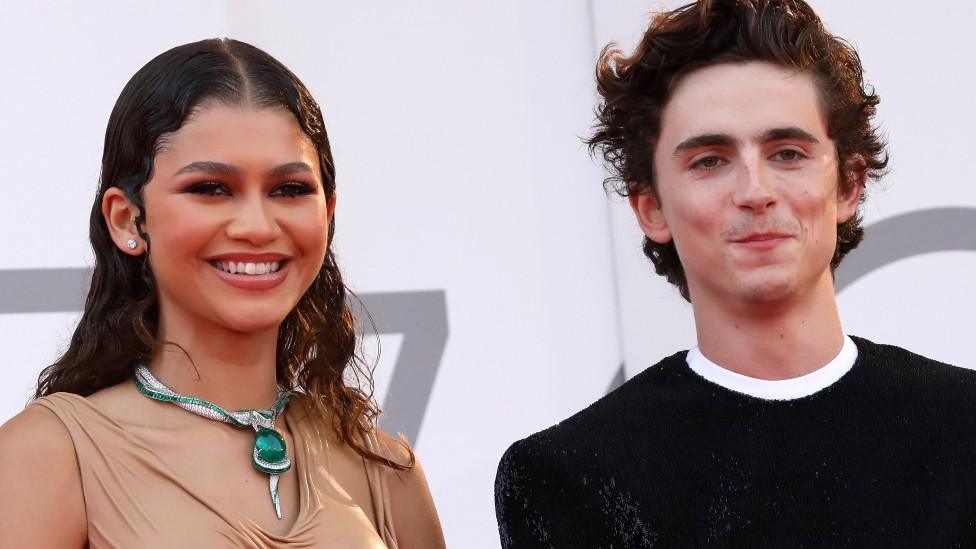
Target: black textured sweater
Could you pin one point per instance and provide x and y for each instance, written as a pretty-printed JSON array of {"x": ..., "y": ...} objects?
[{"x": 884, "y": 457}]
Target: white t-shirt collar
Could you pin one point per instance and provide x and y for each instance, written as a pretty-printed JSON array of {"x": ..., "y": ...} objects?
[{"x": 785, "y": 389}]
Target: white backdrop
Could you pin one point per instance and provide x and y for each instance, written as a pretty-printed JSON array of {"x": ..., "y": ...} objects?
[{"x": 455, "y": 127}]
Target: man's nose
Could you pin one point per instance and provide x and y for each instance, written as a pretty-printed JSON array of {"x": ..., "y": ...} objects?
[{"x": 753, "y": 187}]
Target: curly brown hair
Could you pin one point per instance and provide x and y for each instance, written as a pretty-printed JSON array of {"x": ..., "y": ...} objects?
[
  {"x": 787, "y": 33},
  {"x": 317, "y": 353}
]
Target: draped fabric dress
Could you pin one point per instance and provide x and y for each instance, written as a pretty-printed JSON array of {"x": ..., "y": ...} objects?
[{"x": 133, "y": 499}]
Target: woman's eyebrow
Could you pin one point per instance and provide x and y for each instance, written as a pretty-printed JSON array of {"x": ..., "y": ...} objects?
[
  {"x": 207, "y": 166},
  {"x": 220, "y": 168},
  {"x": 290, "y": 168}
]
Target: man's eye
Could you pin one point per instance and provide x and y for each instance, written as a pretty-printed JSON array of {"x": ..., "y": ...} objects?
[
  {"x": 208, "y": 188},
  {"x": 707, "y": 163},
  {"x": 292, "y": 189},
  {"x": 789, "y": 155}
]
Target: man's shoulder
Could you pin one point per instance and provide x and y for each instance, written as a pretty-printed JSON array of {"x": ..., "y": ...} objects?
[
  {"x": 897, "y": 361},
  {"x": 910, "y": 379},
  {"x": 606, "y": 417}
]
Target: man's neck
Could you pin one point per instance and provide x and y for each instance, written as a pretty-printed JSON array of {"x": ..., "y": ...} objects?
[{"x": 772, "y": 341}]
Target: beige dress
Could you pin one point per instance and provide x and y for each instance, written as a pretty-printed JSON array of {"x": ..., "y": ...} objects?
[{"x": 133, "y": 499}]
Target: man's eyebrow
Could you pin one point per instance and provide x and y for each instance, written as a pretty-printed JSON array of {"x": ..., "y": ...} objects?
[
  {"x": 704, "y": 140},
  {"x": 207, "y": 166},
  {"x": 791, "y": 133},
  {"x": 290, "y": 168}
]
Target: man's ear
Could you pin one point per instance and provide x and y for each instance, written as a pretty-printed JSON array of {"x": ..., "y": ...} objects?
[
  {"x": 120, "y": 218},
  {"x": 650, "y": 217},
  {"x": 855, "y": 172}
]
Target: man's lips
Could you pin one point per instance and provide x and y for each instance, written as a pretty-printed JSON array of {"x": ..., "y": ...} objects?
[
  {"x": 759, "y": 237},
  {"x": 762, "y": 240}
]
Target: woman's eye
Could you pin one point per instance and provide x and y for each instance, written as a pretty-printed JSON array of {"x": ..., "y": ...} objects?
[
  {"x": 208, "y": 188},
  {"x": 292, "y": 189}
]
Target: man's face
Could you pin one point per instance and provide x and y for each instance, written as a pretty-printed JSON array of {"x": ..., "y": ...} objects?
[{"x": 747, "y": 185}]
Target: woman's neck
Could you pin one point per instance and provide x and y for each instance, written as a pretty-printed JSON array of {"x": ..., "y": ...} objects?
[{"x": 233, "y": 370}]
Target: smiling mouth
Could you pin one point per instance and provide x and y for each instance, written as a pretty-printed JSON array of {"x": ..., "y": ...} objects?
[{"x": 248, "y": 268}]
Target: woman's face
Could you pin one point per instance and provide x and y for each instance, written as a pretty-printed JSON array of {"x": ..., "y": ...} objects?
[{"x": 237, "y": 218}]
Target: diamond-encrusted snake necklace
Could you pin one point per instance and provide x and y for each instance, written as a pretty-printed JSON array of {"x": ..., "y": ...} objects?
[{"x": 269, "y": 455}]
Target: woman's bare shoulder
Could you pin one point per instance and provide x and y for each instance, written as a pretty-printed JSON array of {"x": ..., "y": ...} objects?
[
  {"x": 42, "y": 484},
  {"x": 119, "y": 401},
  {"x": 414, "y": 513},
  {"x": 396, "y": 449},
  {"x": 37, "y": 428}
]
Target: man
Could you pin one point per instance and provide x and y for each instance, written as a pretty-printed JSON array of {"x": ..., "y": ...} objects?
[{"x": 741, "y": 131}]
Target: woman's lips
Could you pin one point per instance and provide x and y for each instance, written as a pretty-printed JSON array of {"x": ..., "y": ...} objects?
[{"x": 255, "y": 282}]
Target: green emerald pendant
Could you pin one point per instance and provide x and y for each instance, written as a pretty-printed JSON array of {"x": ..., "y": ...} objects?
[{"x": 270, "y": 455}]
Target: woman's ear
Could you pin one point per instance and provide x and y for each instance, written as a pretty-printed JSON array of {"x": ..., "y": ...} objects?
[
  {"x": 650, "y": 217},
  {"x": 120, "y": 218},
  {"x": 855, "y": 173},
  {"x": 330, "y": 204}
]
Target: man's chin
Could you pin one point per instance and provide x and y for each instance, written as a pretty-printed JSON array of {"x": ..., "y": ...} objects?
[{"x": 768, "y": 290}]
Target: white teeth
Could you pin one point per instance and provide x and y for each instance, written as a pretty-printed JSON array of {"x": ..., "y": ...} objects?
[{"x": 247, "y": 268}]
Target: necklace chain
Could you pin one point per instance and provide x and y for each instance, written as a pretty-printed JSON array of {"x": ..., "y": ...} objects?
[
  {"x": 155, "y": 389},
  {"x": 269, "y": 454}
]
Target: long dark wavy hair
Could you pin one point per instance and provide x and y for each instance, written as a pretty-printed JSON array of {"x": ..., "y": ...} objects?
[
  {"x": 636, "y": 89},
  {"x": 317, "y": 344}
]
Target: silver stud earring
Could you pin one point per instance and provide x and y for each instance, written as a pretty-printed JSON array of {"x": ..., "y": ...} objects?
[{"x": 131, "y": 243}]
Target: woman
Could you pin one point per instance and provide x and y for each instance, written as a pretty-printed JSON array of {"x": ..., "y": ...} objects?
[{"x": 215, "y": 290}]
